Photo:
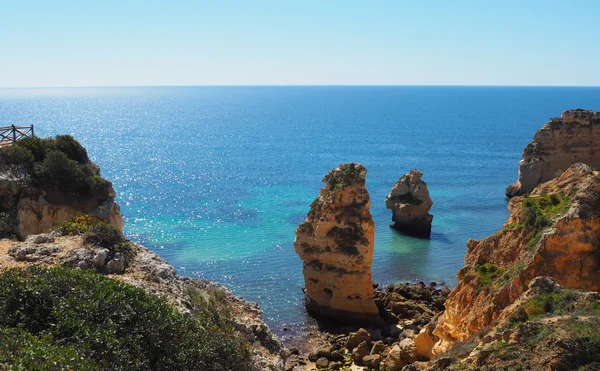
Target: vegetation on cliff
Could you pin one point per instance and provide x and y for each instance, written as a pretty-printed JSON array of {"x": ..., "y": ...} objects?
[
  {"x": 59, "y": 163},
  {"x": 58, "y": 169},
  {"x": 73, "y": 319}
]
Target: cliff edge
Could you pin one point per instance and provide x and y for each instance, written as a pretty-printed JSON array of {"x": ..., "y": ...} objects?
[
  {"x": 45, "y": 181},
  {"x": 574, "y": 137},
  {"x": 553, "y": 232}
]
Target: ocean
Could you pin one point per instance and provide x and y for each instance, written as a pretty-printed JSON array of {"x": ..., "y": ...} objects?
[{"x": 216, "y": 179}]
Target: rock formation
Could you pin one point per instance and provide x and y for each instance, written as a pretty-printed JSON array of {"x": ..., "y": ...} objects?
[
  {"x": 572, "y": 138},
  {"x": 44, "y": 182},
  {"x": 554, "y": 232},
  {"x": 410, "y": 204},
  {"x": 336, "y": 245},
  {"x": 36, "y": 214}
]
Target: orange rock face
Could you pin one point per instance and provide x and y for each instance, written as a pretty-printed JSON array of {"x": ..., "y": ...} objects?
[
  {"x": 336, "y": 245},
  {"x": 562, "y": 142},
  {"x": 554, "y": 232}
]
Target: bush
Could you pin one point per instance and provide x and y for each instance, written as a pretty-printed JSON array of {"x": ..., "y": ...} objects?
[
  {"x": 114, "y": 325},
  {"x": 57, "y": 171},
  {"x": 104, "y": 235},
  {"x": 71, "y": 148},
  {"x": 15, "y": 155},
  {"x": 6, "y": 225},
  {"x": 78, "y": 225},
  {"x": 23, "y": 351},
  {"x": 36, "y": 146}
]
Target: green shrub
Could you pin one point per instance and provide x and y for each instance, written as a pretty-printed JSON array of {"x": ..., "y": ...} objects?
[
  {"x": 560, "y": 302},
  {"x": 488, "y": 272},
  {"x": 104, "y": 235},
  {"x": 37, "y": 146},
  {"x": 72, "y": 148},
  {"x": 6, "y": 225},
  {"x": 23, "y": 351},
  {"x": 114, "y": 325},
  {"x": 57, "y": 171},
  {"x": 539, "y": 210},
  {"x": 15, "y": 155}
]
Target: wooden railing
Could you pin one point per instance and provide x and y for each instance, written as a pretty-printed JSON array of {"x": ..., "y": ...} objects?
[{"x": 11, "y": 134}]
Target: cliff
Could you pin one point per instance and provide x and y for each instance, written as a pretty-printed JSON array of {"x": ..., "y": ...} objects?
[
  {"x": 410, "y": 204},
  {"x": 44, "y": 182},
  {"x": 554, "y": 232},
  {"x": 574, "y": 137},
  {"x": 335, "y": 243}
]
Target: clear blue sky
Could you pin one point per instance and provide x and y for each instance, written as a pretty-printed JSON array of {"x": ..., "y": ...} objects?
[{"x": 220, "y": 42}]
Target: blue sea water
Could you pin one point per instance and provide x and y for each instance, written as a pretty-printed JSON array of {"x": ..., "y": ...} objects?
[{"x": 216, "y": 179}]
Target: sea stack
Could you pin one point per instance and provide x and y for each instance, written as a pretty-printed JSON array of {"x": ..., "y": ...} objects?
[
  {"x": 410, "y": 204},
  {"x": 335, "y": 242},
  {"x": 574, "y": 137}
]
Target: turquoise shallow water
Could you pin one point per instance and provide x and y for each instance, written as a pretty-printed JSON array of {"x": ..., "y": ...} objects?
[{"x": 216, "y": 179}]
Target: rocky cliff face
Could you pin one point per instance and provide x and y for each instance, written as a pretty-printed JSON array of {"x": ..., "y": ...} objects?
[
  {"x": 336, "y": 245},
  {"x": 410, "y": 204},
  {"x": 554, "y": 232},
  {"x": 38, "y": 210},
  {"x": 572, "y": 138}
]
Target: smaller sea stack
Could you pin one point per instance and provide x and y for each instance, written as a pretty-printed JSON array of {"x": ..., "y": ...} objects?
[
  {"x": 410, "y": 204},
  {"x": 336, "y": 245}
]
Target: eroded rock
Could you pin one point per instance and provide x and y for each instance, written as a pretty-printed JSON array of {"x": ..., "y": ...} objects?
[
  {"x": 574, "y": 137},
  {"x": 554, "y": 232},
  {"x": 336, "y": 245},
  {"x": 410, "y": 204}
]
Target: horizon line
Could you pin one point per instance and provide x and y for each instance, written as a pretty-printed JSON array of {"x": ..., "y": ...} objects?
[{"x": 293, "y": 85}]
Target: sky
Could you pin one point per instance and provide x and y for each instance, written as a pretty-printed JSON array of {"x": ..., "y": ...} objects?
[{"x": 48, "y": 43}]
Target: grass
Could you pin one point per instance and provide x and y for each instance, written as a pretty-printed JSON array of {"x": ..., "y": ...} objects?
[
  {"x": 539, "y": 211},
  {"x": 75, "y": 319},
  {"x": 487, "y": 272},
  {"x": 556, "y": 303}
]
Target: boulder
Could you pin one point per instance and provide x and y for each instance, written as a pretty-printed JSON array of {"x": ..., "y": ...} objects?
[{"x": 410, "y": 204}]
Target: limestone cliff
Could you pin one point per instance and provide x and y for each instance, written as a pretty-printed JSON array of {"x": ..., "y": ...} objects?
[
  {"x": 554, "y": 232},
  {"x": 410, "y": 204},
  {"x": 573, "y": 137},
  {"x": 336, "y": 245},
  {"x": 44, "y": 182}
]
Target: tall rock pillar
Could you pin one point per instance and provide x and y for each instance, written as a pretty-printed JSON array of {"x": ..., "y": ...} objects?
[{"x": 335, "y": 242}]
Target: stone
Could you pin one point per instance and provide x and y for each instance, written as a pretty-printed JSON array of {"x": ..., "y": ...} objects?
[
  {"x": 116, "y": 264},
  {"x": 378, "y": 347},
  {"x": 424, "y": 343},
  {"x": 40, "y": 238},
  {"x": 574, "y": 137},
  {"x": 372, "y": 361},
  {"x": 355, "y": 338},
  {"x": 162, "y": 272},
  {"x": 394, "y": 361},
  {"x": 336, "y": 243},
  {"x": 100, "y": 258},
  {"x": 322, "y": 363},
  {"x": 410, "y": 204},
  {"x": 80, "y": 258},
  {"x": 360, "y": 351}
]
